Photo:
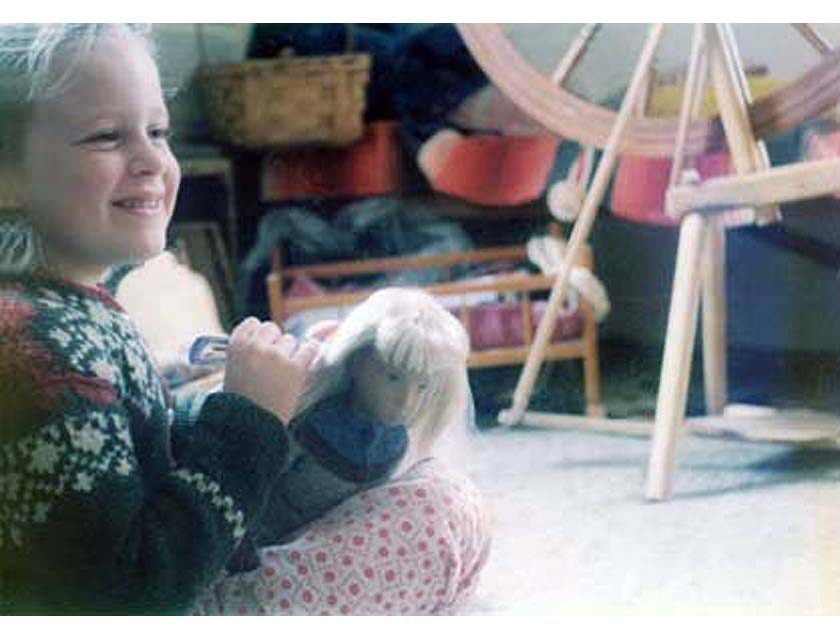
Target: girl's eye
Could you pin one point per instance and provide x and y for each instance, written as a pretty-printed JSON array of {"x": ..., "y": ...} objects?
[
  {"x": 160, "y": 133},
  {"x": 103, "y": 137}
]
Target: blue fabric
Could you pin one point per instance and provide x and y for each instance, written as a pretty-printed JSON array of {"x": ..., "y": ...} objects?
[{"x": 350, "y": 444}]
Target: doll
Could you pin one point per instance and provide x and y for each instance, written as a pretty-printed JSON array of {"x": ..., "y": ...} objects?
[
  {"x": 385, "y": 412},
  {"x": 402, "y": 357},
  {"x": 388, "y": 389}
]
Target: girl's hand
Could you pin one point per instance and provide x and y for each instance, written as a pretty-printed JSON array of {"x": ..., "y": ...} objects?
[{"x": 267, "y": 366}]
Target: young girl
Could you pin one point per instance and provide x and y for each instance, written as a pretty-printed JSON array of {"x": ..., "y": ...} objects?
[{"x": 113, "y": 500}]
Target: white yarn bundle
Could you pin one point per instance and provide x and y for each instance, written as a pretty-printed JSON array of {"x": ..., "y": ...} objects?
[
  {"x": 565, "y": 198},
  {"x": 548, "y": 253}
]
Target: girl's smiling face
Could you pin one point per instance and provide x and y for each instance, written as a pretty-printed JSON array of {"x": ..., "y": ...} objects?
[{"x": 103, "y": 180}]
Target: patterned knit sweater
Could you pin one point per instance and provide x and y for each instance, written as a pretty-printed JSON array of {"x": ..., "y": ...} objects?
[
  {"x": 114, "y": 499},
  {"x": 95, "y": 515}
]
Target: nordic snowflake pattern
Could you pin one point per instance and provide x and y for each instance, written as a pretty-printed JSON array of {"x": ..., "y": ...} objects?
[{"x": 92, "y": 339}]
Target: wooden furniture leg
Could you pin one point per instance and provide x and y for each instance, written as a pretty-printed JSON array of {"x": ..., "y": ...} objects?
[
  {"x": 747, "y": 157},
  {"x": 676, "y": 360},
  {"x": 591, "y": 373},
  {"x": 580, "y": 233},
  {"x": 714, "y": 317}
]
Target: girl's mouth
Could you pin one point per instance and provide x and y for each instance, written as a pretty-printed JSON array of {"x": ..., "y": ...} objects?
[{"x": 138, "y": 206}]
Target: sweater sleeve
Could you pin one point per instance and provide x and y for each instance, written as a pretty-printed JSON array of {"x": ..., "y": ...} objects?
[{"x": 95, "y": 517}]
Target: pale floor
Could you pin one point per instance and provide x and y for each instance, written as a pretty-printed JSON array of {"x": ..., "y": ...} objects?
[{"x": 751, "y": 528}]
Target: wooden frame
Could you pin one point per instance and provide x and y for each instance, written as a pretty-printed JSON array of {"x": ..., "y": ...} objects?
[
  {"x": 584, "y": 348},
  {"x": 789, "y": 183}
]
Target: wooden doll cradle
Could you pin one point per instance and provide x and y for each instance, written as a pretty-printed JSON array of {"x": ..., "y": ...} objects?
[{"x": 576, "y": 337}]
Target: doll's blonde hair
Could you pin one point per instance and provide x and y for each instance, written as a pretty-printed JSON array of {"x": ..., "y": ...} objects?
[
  {"x": 29, "y": 74},
  {"x": 413, "y": 333}
]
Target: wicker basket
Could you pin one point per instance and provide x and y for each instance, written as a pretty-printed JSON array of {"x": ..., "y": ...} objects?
[{"x": 291, "y": 100}]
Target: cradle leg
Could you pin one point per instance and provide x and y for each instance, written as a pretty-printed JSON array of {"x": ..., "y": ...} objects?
[
  {"x": 591, "y": 372},
  {"x": 676, "y": 359}
]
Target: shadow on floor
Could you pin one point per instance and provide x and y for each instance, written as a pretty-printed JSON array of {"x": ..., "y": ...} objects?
[{"x": 630, "y": 380}]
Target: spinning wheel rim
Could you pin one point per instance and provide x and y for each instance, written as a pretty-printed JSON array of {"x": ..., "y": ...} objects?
[{"x": 575, "y": 118}]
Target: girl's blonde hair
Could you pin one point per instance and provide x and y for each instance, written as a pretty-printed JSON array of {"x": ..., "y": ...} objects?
[
  {"x": 29, "y": 74},
  {"x": 413, "y": 333}
]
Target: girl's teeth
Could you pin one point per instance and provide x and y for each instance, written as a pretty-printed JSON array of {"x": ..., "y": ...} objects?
[{"x": 140, "y": 204}]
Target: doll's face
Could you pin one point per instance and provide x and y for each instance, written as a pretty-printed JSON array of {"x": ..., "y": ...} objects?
[{"x": 383, "y": 392}]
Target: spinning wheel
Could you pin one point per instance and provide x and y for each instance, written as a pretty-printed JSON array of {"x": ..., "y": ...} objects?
[
  {"x": 542, "y": 95},
  {"x": 751, "y": 196}
]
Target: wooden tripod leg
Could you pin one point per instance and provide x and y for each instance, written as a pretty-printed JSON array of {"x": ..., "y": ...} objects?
[
  {"x": 682, "y": 315},
  {"x": 580, "y": 233},
  {"x": 714, "y": 317},
  {"x": 676, "y": 359}
]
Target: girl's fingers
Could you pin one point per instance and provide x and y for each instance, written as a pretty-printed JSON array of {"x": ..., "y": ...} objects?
[
  {"x": 286, "y": 342},
  {"x": 267, "y": 332},
  {"x": 270, "y": 368},
  {"x": 244, "y": 329},
  {"x": 306, "y": 352}
]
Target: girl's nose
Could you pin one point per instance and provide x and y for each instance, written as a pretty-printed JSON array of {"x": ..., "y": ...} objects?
[{"x": 147, "y": 159}]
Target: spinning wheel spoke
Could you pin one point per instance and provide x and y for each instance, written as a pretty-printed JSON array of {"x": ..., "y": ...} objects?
[
  {"x": 734, "y": 99},
  {"x": 573, "y": 54},
  {"x": 693, "y": 93},
  {"x": 819, "y": 43}
]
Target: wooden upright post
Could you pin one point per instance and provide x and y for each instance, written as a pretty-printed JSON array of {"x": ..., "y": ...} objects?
[
  {"x": 580, "y": 232},
  {"x": 713, "y": 296},
  {"x": 696, "y": 239},
  {"x": 682, "y": 313}
]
